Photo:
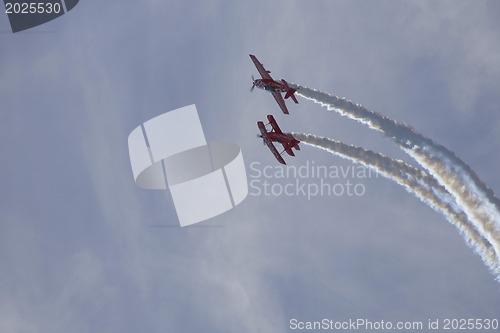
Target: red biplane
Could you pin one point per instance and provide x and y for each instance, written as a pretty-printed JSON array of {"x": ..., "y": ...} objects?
[
  {"x": 273, "y": 86},
  {"x": 276, "y": 135}
]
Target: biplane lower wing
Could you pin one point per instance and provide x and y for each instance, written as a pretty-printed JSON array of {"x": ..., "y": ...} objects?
[{"x": 269, "y": 143}]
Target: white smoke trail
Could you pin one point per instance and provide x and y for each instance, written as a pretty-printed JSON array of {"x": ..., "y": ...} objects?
[
  {"x": 417, "y": 182},
  {"x": 476, "y": 199}
]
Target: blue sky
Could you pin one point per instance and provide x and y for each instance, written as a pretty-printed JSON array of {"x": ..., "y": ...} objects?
[{"x": 76, "y": 247}]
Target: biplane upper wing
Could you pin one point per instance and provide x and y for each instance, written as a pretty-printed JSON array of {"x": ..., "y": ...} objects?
[
  {"x": 274, "y": 124},
  {"x": 263, "y": 72},
  {"x": 281, "y": 102},
  {"x": 269, "y": 143}
]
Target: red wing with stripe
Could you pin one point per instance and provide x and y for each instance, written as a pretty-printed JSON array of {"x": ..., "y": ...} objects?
[
  {"x": 263, "y": 72},
  {"x": 281, "y": 102}
]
